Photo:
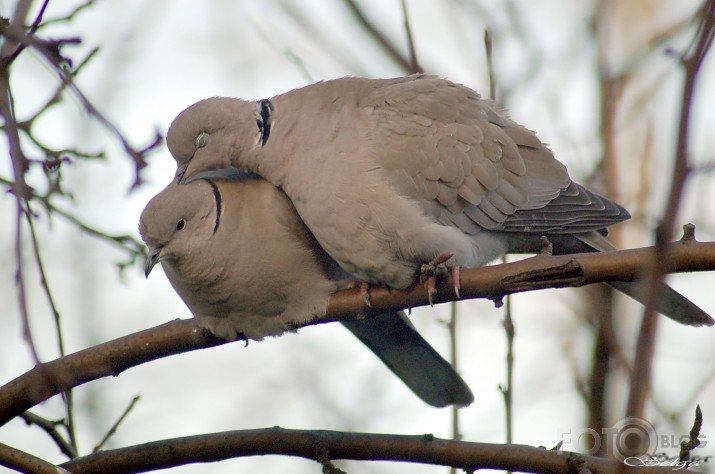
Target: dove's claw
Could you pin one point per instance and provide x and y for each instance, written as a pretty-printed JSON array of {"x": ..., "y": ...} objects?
[
  {"x": 456, "y": 270},
  {"x": 430, "y": 271},
  {"x": 431, "y": 285},
  {"x": 365, "y": 293}
]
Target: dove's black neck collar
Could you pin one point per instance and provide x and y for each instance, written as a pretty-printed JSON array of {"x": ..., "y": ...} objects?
[
  {"x": 217, "y": 196},
  {"x": 263, "y": 119}
]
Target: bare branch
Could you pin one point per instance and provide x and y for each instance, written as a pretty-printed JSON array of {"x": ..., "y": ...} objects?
[
  {"x": 453, "y": 361},
  {"x": 694, "y": 439},
  {"x": 423, "y": 449},
  {"x": 50, "y": 50},
  {"x": 24, "y": 462},
  {"x": 542, "y": 271},
  {"x": 103, "y": 360},
  {"x": 116, "y": 424},
  {"x": 50, "y": 427},
  {"x": 493, "y": 282},
  {"x": 414, "y": 63},
  {"x": 69, "y": 405},
  {"x": 125, "y": 242},
  {"x": 490, "y": 64},
  {"x": 381, "y": 39},
  {"x": 69, "y": 17},
  {"x": 507, "y": 390}
]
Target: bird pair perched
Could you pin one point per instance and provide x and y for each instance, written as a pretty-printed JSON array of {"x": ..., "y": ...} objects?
[{"x": 280, "y": 202}]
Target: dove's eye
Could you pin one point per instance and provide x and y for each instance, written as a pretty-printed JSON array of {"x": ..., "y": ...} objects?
[
  {"x": 180, "y": 225},
  {"x": 202, "y": 140}
]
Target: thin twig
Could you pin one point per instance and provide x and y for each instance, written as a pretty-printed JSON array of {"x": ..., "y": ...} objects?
[
  {"x": 452, "y": 329},
  {"x": 381, "y": 39},
  {"x": 70, "y": 16},
  {"x": 21, "y": 192},
  {"x": 694, "y": 439},
  {"x": 490, "y": 64},
  {"x": 50, "y": 51},
  {"x": 611, "y": 88},
  {"x": 44, "y": 282},
  {"x": 20, "y": 282},
  {"x": 124, "y": 241},
  {"x": 116, "y": 424},
  {"x": 33, "y": 28},
  {"x": 69, "y": 405},
  {"x": 414, "y": 63},
  {"x": 507, "y": 388},
  {"x": 50, "y": 427},
  {"x": 597, "y": 388}
]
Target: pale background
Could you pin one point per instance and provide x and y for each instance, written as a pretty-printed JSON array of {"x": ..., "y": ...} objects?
[{"x": 159, "y": 57}]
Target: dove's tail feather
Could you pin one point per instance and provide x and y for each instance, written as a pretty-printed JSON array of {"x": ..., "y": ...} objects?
[
  {"x": 668, "y": 302},
  {"x": 397, "y": 343}
]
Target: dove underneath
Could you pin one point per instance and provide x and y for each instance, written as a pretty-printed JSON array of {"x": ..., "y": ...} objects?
[
  {"x": 246, "y": 266},
  {"x": 391, "y": 174}
]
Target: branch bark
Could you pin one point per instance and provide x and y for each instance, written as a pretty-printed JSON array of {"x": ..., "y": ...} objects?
[
  {"x": 493, "y": 282},
  {"x": 322, "y": 445},
  {"x": 25, "y": 462}
]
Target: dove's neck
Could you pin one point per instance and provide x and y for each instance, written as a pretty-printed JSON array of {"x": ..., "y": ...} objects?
[{"x": 305, "y": 126}]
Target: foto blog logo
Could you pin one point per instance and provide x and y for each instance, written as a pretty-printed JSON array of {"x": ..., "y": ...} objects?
[{"x": 629, "y": 437}]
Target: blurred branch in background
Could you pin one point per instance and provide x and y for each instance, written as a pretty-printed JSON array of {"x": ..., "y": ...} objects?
[
  {"x": 407, "y": 63},
  {"x": 691, "y": 61},
  {"x": 18, "y": 39}
]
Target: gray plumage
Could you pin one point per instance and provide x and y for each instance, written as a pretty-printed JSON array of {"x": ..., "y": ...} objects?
[
  {"x": 391, "y": 173},
  {"x": 246, "y": 266}
]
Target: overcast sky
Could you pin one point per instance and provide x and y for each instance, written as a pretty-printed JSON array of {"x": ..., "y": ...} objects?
[{"x": 158, "y": 57}]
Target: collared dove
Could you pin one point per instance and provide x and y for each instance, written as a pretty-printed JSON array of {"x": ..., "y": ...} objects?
[
  {"x": 390, "y": 174},
  {"x": 246, "y": 266}
]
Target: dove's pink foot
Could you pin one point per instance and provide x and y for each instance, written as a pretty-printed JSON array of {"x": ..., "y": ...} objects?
[
  {"x": 456, "y": 282},
  {"x": 430, "y": 271}
]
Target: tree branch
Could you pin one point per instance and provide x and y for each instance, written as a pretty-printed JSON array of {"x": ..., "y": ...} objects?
[
  {"x": 333, "y": 445},
  {"x": 50, "y": 50},
  {"x": 111, "y": 358},
  {"x": 539, "y": 272},
  {"x": 493, "y": 282},
  {"x": 390, "y": 50},
  {"x": 50, "y": 427},
  {"x": 25, "y": 462}
]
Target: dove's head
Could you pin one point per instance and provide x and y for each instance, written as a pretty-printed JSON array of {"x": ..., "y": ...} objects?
[
  {"x": 178, "y": 220},
  {"x": 215, "y": 134}
]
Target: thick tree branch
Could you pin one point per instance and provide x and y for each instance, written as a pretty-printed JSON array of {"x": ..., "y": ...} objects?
[
  {"x": 24, "y": 462},
  {"x": 320, "y": 445},
  {"x": 111, "y": 358},
  {"x": 493, "y": 282}
]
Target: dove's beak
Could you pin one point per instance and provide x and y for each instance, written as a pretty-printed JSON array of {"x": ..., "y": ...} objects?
[
  {"x": 153, "y": 259},
  {"x": 180, "y": 171}
]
